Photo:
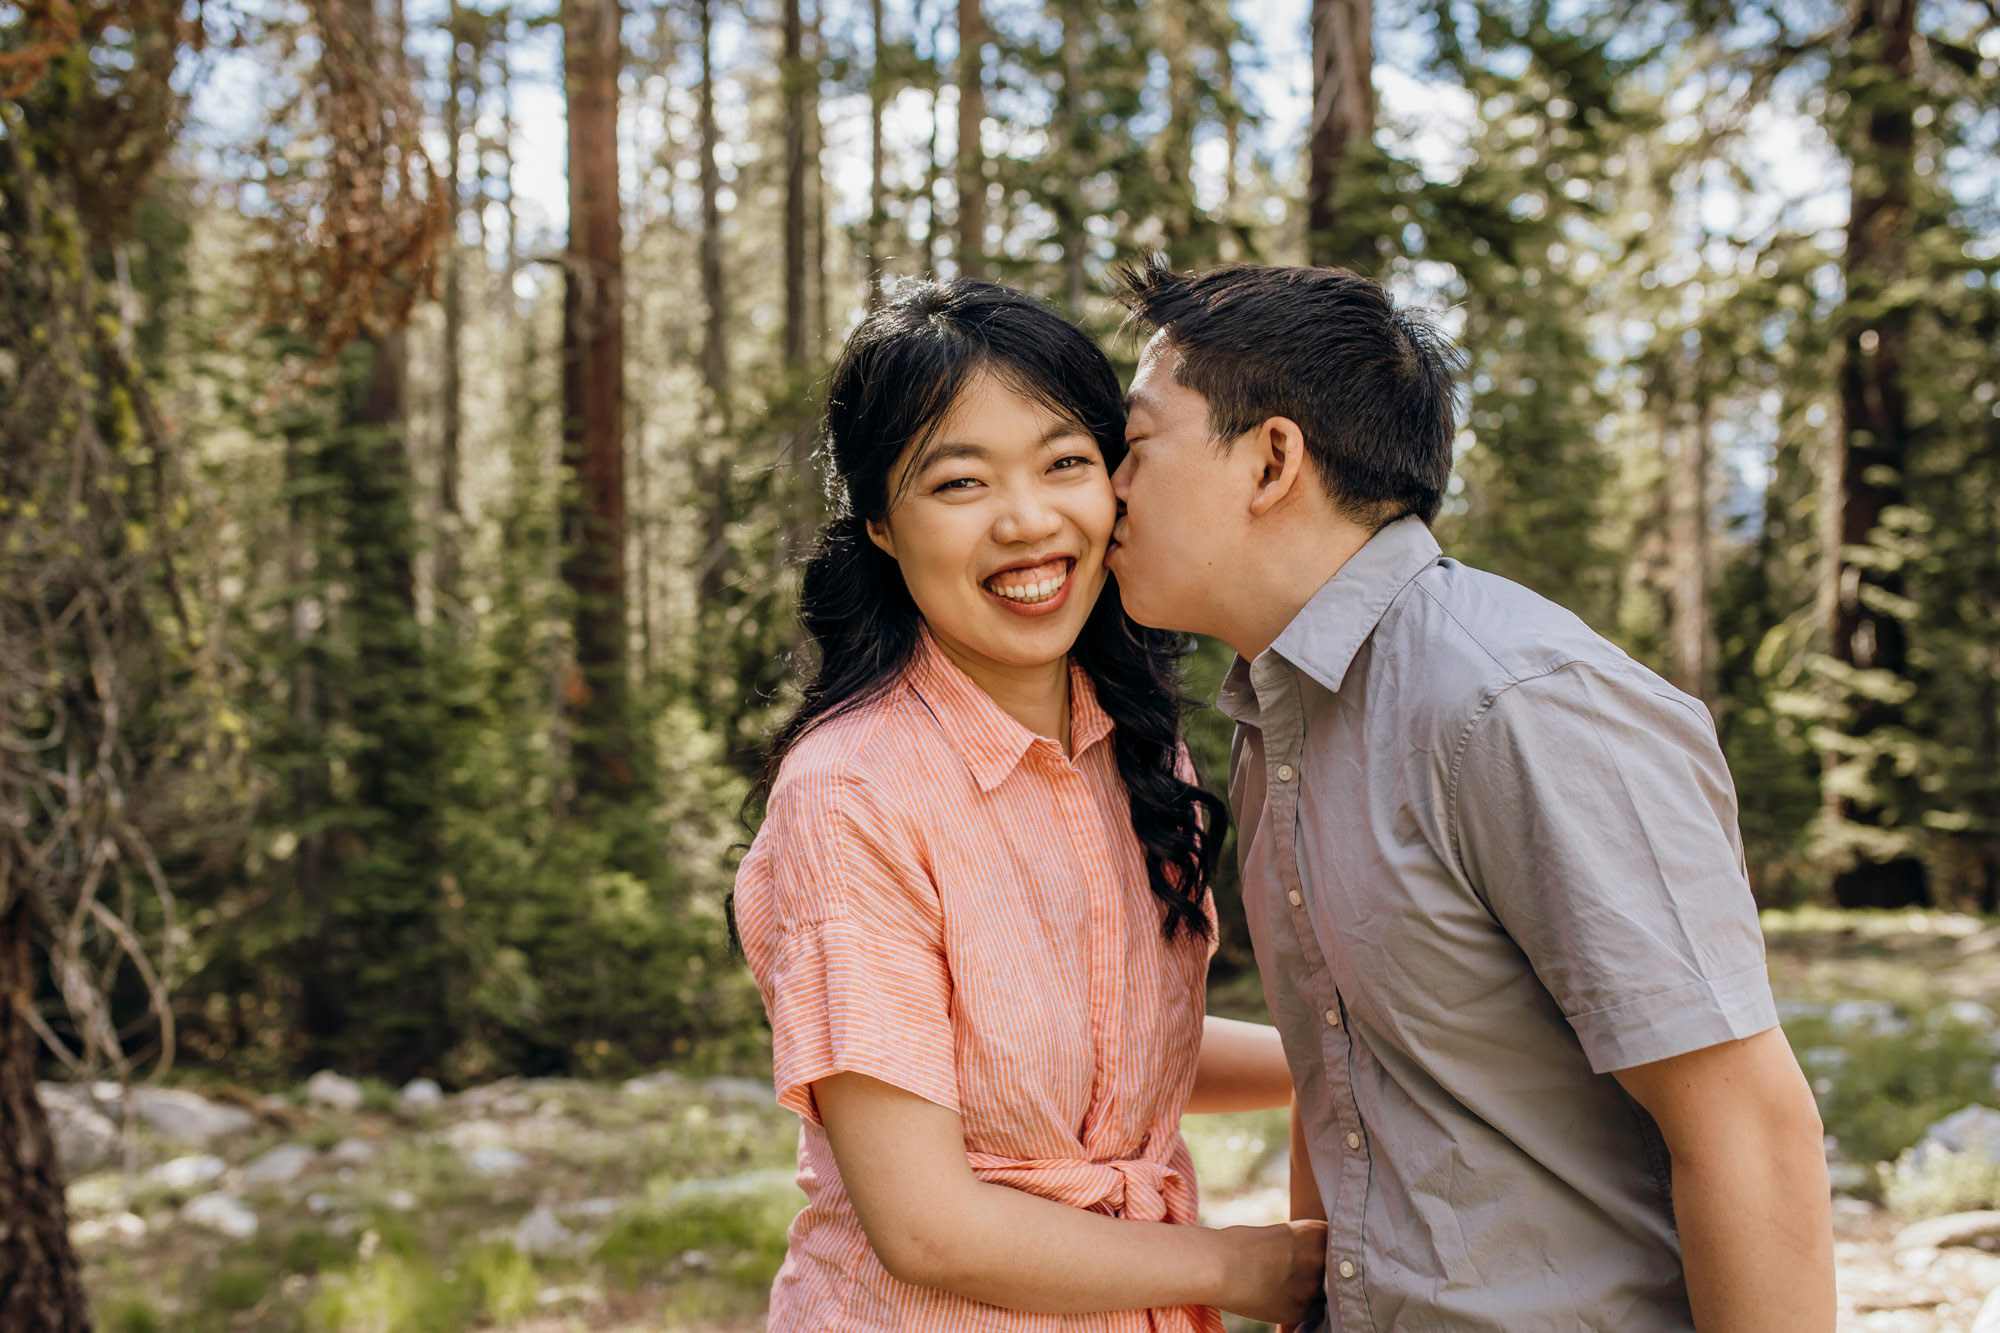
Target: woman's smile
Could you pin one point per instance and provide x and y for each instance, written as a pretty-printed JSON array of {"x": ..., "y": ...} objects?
[{"x": 1033, "y": 590}]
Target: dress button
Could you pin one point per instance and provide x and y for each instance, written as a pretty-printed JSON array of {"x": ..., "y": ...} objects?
[
  {"x": 1346, "y": 1268},
  {"x": 1285, "y": 772},
  {"x": 1298, "y": 899},
  {"x": 1353, "y": 1140},
  {"x": 1333, "y": 1018}
]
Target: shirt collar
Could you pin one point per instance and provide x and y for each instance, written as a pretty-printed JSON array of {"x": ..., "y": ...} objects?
[
  {"x": 1330, "y": 628},
  {"x": 990, "y": 741}
]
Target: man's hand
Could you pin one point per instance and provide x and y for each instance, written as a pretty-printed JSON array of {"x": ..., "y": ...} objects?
[{"x": 1750, "y": 1188}]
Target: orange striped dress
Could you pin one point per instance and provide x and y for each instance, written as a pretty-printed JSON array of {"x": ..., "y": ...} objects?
[{"x": 944, "y": 901}]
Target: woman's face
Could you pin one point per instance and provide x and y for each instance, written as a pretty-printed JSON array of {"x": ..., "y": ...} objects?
[{"x": 1001, "y": 530}]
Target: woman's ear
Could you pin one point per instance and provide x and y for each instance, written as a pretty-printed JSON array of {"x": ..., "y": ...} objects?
[{"x": 878, "y": 532}]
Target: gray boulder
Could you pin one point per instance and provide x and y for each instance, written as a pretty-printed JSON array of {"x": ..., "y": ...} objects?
[
  {"x": 186, "y": 1172},
  {"x": 1876, "y": 1016},
  {"x": 540, "y": 1232},
  {"x": 186, "y": 1117},
  {"x": 1971, "y": 1129},
  {"x": 221, "y": 1212},
  {"x": 747, "y": 1090},
  {"x": 278, "y": 1167},
  {"x": 418, "y": 1095},
  {"x": 85, "y": 1137},
  {"x": 335, "y": 1091},
  {"x": 352, "y": 1152},
  {"x": 494, "y": 1161}
]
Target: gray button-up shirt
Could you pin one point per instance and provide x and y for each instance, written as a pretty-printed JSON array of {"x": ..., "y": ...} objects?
[{"x": 1487, "y": 858}]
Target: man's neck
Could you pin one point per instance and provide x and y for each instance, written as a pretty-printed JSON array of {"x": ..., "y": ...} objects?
[
  {"x": 1282, "y": 579},
  {"x": 1035, "y": 696}
]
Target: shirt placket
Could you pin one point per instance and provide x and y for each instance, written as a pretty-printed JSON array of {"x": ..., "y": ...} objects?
[
  {"x": 1104, "y": 938},
  {"x": 1282, "y": 722}
]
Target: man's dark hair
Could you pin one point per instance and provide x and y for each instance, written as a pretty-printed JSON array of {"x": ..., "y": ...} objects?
[{"x": 1370, "y": 386}]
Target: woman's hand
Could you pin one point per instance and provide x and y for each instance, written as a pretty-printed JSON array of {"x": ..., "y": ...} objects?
[{"x": 1281, "y": 1273}]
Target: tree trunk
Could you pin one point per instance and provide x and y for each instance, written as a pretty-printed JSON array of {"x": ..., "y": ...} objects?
[
  {"x": 971, "y": 155},
  {"x": 878, "y": 213},
  {"x": 1343, "y": 115},
  {"x": 41, "y": 1287},
  {"x": 714, "y": 476},
  {"x": 792, "y": 75},
  {"x": 1875, "y": 432},
  {"x": 594, "y": 399},
  {"x": 1070, "y": 232},
  {"x": 454, "y": 329},
  {"x": 1693, "y": 634}
]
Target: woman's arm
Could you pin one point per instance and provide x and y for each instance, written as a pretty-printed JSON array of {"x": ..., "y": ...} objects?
[
  {"x": 935, "y": 1224},
  {"x": 1242, "y": 1068}
]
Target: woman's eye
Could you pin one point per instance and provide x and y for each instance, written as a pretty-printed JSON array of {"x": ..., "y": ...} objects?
[
  {"x": 1072, "y": 462},
  {"x": 958, "y": 484}
]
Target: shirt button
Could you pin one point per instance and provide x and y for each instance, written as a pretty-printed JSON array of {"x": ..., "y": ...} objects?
[
  {"x": 1285, "y": 772},
  {"x": 1333, "y": 1018},
  {"x": 1346, "y": 1268},
  {"x": 1298, "y": 899},
  {"x": 1353, "y": 1140}
]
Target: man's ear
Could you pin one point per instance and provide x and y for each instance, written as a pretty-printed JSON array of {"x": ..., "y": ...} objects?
[
  {"x": 1278, "y": 448},
  {"x": 878, "y": 532}
]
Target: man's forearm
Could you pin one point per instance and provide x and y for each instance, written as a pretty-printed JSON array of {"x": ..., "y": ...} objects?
[{"x": 1756, "y": 1239}]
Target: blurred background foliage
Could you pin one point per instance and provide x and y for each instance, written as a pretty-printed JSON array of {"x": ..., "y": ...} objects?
[{"x": 400, "y": 529}]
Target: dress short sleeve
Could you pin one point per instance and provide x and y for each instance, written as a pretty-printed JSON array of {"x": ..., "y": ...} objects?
[
  {"x": 1595, "y": 815},
  {"x": 841, "y": 924}
]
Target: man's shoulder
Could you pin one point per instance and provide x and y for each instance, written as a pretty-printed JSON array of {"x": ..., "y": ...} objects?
[{"x": 1464, "y": 636}]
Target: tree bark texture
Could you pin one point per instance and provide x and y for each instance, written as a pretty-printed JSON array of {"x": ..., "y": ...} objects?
[
  {"x": 594, "y": 397},
  {"x": 454, "y": 325},
  {"x": 1343, "y": 115},
  {"x": 1692, "y": 644},
  {"x": 41, "y": 1288},
  {"x": 1875, "y": 430},
  {"x": 971, "y": 155},
  {"x": 878, "y": 213},
  {"x": 794, "y": 76}
]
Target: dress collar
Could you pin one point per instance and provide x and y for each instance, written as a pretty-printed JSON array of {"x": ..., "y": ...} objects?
[{"x": 990, "y": 741}]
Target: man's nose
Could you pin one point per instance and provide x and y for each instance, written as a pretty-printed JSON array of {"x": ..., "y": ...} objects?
[{"x": 1121, "y": 479}]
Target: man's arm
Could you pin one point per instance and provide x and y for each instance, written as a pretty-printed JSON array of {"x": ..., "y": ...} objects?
[
  {"x": 1750, "y": 1188},
  {"x": 933, "y": 1223},
  {"x": 1241, "y": 1068}
]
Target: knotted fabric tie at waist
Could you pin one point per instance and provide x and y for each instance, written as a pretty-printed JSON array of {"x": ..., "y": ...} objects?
[{"x": 1136, "y": 1189}]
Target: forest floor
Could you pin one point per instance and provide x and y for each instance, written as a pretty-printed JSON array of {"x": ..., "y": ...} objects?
[{"x": 556, "y": 1206}]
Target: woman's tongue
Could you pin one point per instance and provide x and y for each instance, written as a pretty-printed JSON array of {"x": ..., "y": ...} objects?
[{"x": 1031, "y": 585}]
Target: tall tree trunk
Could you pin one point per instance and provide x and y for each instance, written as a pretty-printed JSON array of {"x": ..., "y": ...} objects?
[
  {"x": 1875, "y": 432},
  {"x": 792, "y": 75},
  {"x": 878, "y": 212},
  {"x": 1343, "y": 115},
  {"x": 454, "y": 327},
  {"x": 816, "y": 178},
  {"x": 713, "y": 567},
  {"x": 1070, "y": 231},
  {"x": 41, "y": 1288},
  {"x": 971, "y": 154},
  {"x": 1693, "y": 633},
  {"x": 594, "y": 399}
]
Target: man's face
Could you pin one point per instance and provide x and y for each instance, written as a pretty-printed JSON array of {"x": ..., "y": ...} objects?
[{"x": 1182, "y": 504}]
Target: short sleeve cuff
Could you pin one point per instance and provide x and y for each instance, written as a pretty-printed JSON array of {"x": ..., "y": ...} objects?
[
  {"x": 1687, "y": 1018},
  {"x": 846, "y": 1001}
]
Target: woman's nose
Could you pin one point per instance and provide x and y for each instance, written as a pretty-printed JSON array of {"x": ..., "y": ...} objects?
[{"x": 1027, "y": 517}]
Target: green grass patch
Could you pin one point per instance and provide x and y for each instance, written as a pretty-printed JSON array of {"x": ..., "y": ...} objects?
[
  {"x": 237, "y": 1285},
  {"x": 1881, "y": 1095},
  {"x": 736, "y": 1236},
  {"x": 130, "y": 1313}
]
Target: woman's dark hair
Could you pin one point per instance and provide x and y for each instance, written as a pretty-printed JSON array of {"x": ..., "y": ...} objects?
[{"x": 902, "y": 370}]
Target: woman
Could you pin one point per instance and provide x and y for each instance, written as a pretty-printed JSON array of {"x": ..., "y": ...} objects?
[{"x": 978, "y": 909}]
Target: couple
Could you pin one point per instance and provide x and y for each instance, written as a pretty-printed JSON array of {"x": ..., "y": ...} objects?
[{"x": 1490, "y": 864}]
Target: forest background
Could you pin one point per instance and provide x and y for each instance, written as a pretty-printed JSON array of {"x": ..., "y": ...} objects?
[{"x": 407, "y": 418}]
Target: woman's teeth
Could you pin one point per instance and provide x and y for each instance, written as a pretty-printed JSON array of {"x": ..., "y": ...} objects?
[{"x": 1039, "y": 591}]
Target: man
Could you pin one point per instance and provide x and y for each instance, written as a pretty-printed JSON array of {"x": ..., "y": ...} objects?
[{"x": 1490, "y": 863}]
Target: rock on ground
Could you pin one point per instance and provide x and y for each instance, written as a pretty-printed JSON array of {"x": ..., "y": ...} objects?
[
  {"x": 1972, "y": 1129},
  {"x": 279, "y": 1167},
  {"x": 541, "y": 1233},
  {"x": 85, "y": 1137},
  {"x": 334, "y": 1091},
  {"x": 187, "y": 1117},
  {"x": 1976, "y": 1230},
  {"x": 186, "y": 1172},
  {"x": 419, "y": 1094},
  {"x": 221, "y": 1212}
]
